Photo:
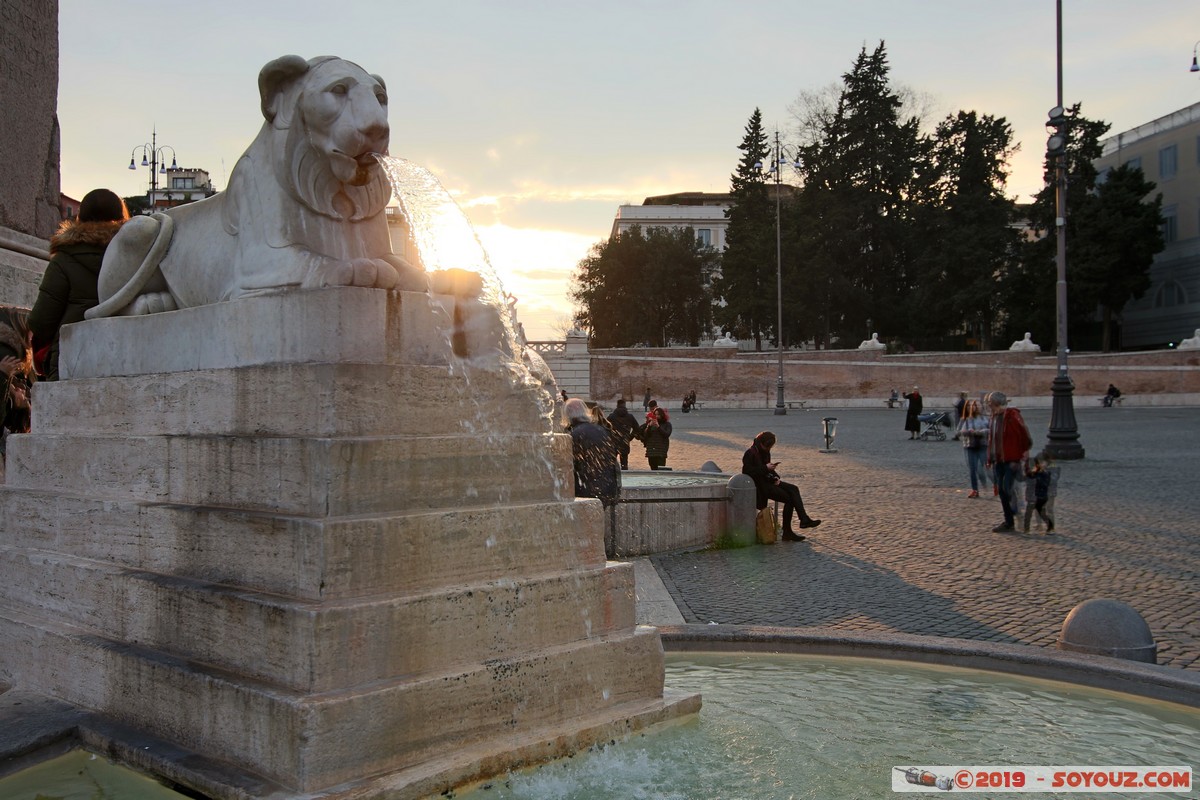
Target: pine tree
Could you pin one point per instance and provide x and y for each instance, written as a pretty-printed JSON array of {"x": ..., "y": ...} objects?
[
  {"x": 972, "y": 225},
  {"x": 864, "y": 181},
  {"x": 745, "y": 290},
  {"x": 1117, "y": 232},
  {"x": 1028, "y": 290}
]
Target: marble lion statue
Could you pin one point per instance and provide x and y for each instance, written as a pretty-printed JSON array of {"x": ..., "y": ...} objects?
[{"x": 305, "y": 205}]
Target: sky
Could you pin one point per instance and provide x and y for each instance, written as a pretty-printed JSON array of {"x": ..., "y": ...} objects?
[{"x": 542, "y": 118}]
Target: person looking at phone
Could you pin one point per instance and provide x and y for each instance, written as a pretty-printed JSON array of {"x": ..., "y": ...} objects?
[{"x": 757, "y": 463}]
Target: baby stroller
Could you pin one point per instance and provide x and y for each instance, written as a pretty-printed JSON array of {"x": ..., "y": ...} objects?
[{"x": 934, "y": 422}]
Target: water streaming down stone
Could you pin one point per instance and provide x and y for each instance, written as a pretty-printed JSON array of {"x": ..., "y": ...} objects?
[{"x": 268, "y": 533}]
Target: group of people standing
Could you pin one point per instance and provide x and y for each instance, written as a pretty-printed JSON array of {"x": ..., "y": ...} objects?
[
  {"x": 600, "y": 450},
  {"x": 601, "y": 445},
  {"x": 999, "y": 439}
]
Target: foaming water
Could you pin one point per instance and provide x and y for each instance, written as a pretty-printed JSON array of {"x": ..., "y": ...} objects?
[{"x": 784, "y": 726}]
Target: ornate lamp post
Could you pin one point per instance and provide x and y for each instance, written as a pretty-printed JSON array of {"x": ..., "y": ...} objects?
[
  {"x": 776, "y": 170},
  {"x": 1063, "y": 437},
  {"x": 1195, "y": 66},
  {"x": 152, "y": 157}
]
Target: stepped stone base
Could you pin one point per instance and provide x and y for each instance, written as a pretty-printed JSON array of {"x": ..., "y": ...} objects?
[{"x": 320, "y": 538}]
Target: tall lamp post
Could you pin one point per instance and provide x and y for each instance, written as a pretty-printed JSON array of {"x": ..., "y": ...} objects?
[
  {"x": 152, "y": 157},
  {"x": 776, "y": 171},
  {"x": 1063, "y": 437}
]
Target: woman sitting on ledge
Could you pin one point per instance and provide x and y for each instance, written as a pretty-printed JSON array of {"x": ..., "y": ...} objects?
[{"x": 757, "y": 463}]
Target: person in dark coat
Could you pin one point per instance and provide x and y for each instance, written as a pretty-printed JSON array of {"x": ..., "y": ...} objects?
[
  {"x": 915, "y": 405},
  {"x": 594, "y": 451},
  {"x": 655, "y": 433},
  {"x": 624, "y": 425},
  {"x": 68, "y": 286},
  {"x": 1111, "y": 395},
  {"x": 757, "y": 463}
]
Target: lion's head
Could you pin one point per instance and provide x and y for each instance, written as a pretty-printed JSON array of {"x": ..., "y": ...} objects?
[{"x": 329, "y": 121}]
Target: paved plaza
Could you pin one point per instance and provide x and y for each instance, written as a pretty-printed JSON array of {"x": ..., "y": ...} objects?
[{"x": 902, "y": 549}]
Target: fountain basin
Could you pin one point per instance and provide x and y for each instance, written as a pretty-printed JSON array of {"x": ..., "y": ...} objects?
[
  {"x": 817, "y": 714},
  {"x": 664, "y": 511}
]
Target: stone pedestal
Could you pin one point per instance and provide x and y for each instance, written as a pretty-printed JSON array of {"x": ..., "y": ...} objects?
[{"x": 300, "y": 535}]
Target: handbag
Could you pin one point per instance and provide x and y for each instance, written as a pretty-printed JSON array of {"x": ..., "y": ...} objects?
[{"x": 764, "y": 525}]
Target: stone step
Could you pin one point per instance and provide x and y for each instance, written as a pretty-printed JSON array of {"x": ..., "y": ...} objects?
[
  {"x": 310, "y": 558},
  {"x": 305, "y": 477},
  {"x": 309, "y": 742},
  {"x": 285, "y": 642},
  {"x": 299, "y": 400}
]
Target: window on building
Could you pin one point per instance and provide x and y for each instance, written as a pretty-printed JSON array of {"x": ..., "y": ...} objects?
[
  {"x": 183, "y": 183},
  {"x": 1198, "y": 149},
  {"x": 704, "y": 235},
  {"x": 1102, "y": 176},
  {"x": 1169, "y": 294},
  {"x": 1170, "y": 224},
  {"x": 1168, "y": 162},
  {"x": 1134, "y": 163}
]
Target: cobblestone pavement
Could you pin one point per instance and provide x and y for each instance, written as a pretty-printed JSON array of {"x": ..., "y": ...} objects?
[{"x": 902, "y": 548}]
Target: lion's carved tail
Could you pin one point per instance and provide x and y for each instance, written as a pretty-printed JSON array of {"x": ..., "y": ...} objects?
[{"x": 130, "y": 263}]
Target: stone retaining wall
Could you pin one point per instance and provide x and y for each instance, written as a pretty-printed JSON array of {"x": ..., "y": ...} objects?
[{"x": 851, "y": 377}]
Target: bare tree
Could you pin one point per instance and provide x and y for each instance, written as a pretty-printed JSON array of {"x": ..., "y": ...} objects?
[
  {"x": 562, "y": 325},
  {"x": 813, "y": 109}
]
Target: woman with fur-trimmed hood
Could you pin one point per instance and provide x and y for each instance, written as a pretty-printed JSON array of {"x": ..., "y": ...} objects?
[{"x": 68, "y": 286}]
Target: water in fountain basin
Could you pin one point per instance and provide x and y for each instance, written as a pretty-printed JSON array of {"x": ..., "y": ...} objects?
[
  {"x": 807, "y": 727},
  {"x": 80, "y": 775}
]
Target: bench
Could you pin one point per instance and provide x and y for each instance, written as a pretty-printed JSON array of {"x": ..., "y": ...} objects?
[
  {"x": 892, "y": 402},
  {"x": 1110, "y": 402},
  {"x": 800, "y": 404}
]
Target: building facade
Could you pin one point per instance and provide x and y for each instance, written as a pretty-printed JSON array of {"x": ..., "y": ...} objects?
[
  {"x": 703, "y": 212},
  {"x": 1168, "y": 152},
  {"x": 179, "y": 185}
]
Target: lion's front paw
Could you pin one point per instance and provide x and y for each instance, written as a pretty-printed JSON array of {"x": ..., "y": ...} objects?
[
  {"x": 409, "y": 277},
  {"x": 373, "y": 273}
]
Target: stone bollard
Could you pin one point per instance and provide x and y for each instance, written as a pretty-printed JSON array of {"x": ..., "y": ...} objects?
[
  {"x": 1108, "y": 628},
  {"x": 742, "y": 501}
]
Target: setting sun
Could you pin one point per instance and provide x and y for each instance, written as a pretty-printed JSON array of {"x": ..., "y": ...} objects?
[{"x": 535, "y": 266}]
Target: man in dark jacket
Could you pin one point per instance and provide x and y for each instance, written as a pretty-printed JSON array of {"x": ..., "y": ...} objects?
[
  {"x": 68, "y": 286},
  {"x": 623, "y": 424},
  {"x": 594, "y": 451},
  {"x": 1008, "y": 444}
]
